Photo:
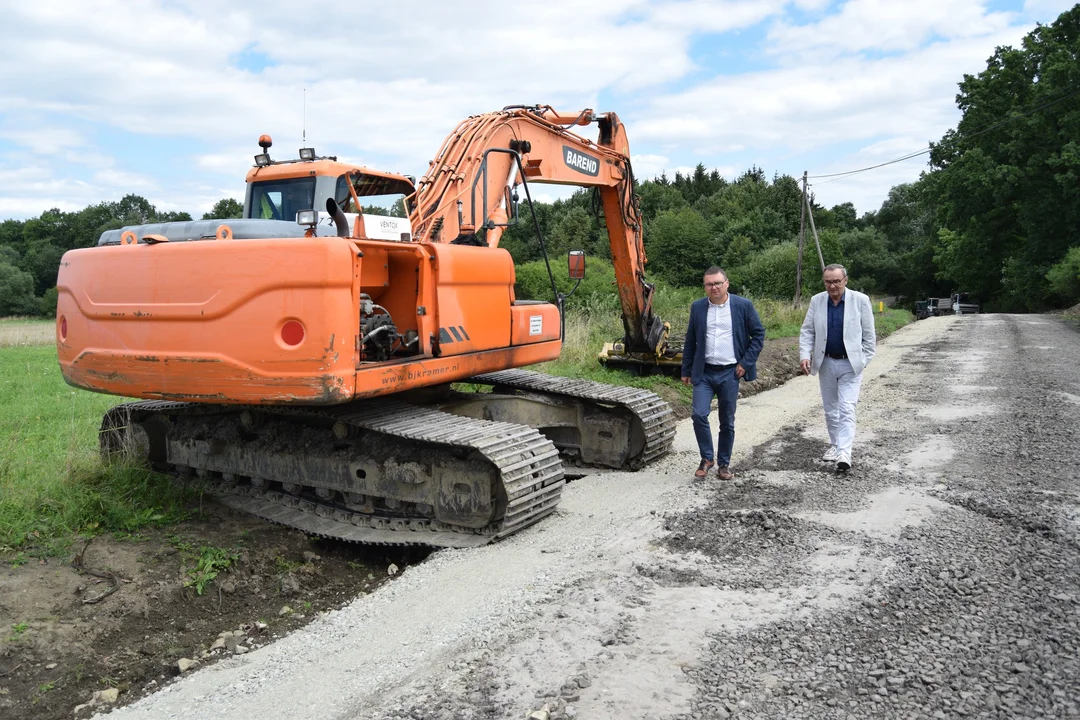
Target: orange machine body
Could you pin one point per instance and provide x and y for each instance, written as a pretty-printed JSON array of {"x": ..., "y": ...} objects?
[
  {"x": 318, "y": 320},
  {"x": 217, "y": 320}
]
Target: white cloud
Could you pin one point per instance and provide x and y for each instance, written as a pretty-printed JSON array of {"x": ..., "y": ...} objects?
[
  {"x": 797, "y": 117},
  {"x": 384, "y": 85},
  {"x": 1042, "y": 9},
  {"x": 649, "y": 166},
  {"x": 715, "y": 16},
  {"x": 138, "y": 184},
  {"x": 883, "y": 26},
  {"x": 44, "y": 140}
]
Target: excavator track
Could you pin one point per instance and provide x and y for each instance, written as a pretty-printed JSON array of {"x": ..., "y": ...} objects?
[
  {"x": 657, "y": 421},
  {"x": 530, "y": 474},
  {"x": 187, "y": 439}
]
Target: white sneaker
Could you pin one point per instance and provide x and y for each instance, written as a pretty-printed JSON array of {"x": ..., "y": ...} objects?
[
  {"x": 843, "y": 462},
  {"x": 830, "y": 454}
]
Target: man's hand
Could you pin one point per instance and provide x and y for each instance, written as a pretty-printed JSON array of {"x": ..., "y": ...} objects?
[
  {"x": 739, "y": 371},
  {"x": 805, "y": 365},
  {"x": 686, "y": 381}
]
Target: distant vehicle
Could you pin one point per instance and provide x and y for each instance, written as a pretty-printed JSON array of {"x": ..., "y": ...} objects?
[
  {"x": 963, "y": 305},
  {"x": 938, "y": 306},
  {"x": 922, "y": 310}
]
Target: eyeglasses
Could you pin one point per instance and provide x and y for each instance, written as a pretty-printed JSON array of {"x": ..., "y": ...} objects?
[
  {"x": 716, "y": 284},
  {"x": 835, "y": 282}
]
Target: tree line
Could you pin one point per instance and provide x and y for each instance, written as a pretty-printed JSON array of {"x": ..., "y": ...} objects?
[
  {"x": 30, "y": 250},
  {"x": 996, "y": 214}
]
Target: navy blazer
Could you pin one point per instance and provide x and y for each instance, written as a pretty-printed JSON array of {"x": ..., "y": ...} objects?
[{"x": 747, "y": 334}]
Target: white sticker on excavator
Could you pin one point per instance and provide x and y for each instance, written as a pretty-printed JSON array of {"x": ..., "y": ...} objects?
[
  {"x": 536, "y": 324},
  {"x": 383, "y": 227}
]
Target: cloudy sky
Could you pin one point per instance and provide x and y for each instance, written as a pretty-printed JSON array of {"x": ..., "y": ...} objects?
[{"x": 166, "y": 98}]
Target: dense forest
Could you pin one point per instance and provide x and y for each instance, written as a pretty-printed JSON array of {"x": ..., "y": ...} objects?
[{"x": 997, "y": 214}]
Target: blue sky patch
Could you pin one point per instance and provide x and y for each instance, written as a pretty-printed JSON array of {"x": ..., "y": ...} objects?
[{"x": 252, "y": 60}]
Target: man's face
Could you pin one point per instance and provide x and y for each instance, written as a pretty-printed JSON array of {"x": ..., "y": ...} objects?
[
  {"x": 716, "y": 287},
  {"x": 835, "y": 282}
]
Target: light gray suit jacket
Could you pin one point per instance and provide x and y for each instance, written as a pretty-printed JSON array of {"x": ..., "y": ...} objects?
[{"x": 860, "y": 339}]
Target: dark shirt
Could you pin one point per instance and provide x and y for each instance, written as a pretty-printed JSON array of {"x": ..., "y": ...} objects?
[{"x": 834, "y": 344}]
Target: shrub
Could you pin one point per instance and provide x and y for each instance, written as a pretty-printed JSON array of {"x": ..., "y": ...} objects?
[
  {"x": 47, "y": 302},
  {"x": 1064, "y": 278},
  {"x": 16, "y": 292},
  {"x": 680, "y": 246},
  {"x": 597, "y": 289},
  {"x": 771, "y": 273}
]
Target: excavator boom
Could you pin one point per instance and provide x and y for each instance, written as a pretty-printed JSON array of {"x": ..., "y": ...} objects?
[{"x": 465, "y": 195}]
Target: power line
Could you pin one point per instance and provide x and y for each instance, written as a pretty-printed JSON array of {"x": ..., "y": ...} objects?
[
  {"x": 993, "y": 126},
  {"x": 840, "y": 175}
]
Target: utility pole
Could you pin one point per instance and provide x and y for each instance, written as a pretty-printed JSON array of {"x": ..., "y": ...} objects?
[
  {"x": 810, "y": 212},
  {"x": 802, "y": 234}
]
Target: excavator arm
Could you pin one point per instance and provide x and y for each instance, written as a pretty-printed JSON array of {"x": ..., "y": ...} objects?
[{"x": 466, "y": 195}]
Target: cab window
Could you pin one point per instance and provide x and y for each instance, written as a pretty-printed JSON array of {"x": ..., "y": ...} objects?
[
  {"x": 281, "y": 199},
  {"x": 378, "y": 195}
]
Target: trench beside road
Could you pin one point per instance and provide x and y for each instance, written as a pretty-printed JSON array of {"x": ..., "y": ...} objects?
[{"x": 940, "y": 578}]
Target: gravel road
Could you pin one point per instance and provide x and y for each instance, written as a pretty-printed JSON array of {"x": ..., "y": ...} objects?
[{"x": 938, "y": 579}]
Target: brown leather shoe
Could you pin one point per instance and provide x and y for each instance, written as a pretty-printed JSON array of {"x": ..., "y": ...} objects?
[
  {"x": 724, "y": 473},
  {"x": 703, "y": 468}
]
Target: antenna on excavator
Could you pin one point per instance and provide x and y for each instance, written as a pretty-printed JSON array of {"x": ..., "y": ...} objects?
[{"x": 304, "y": 123}]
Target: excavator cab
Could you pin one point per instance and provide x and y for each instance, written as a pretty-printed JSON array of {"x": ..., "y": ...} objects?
[{"x": 279, "y": 189}]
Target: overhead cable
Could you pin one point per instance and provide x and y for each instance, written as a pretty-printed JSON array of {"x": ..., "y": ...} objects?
[{"x": 1075, "y": 89}]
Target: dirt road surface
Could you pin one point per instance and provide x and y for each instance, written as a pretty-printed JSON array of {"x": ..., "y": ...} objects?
[{"x": 940, "y": 578}]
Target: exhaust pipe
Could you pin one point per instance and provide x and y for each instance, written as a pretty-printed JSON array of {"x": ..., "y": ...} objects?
[{"x": 340, "y": 221}]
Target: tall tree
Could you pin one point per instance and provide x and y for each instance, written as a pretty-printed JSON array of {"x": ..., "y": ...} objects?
[
  {"x": 225, "y": 209},
  {"x": 681, "y": 246},
  {"x": 1009, "y": 174}
]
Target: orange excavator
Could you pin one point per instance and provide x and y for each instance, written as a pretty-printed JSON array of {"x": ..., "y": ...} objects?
[{"x": 300, "y": 360}]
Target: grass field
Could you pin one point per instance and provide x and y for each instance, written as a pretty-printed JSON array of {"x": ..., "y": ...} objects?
[
  {"x": 21, "y": 332},
  {"x": 588, "y": 329},
  {"x": 52, "y": 482}
]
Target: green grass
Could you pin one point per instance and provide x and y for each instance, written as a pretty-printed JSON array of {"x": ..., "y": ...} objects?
[
  {"x": 891, "y": 321},
  {"x": 53, "y": 484},
  {"x": 588, "y": 328},
  {"x": 206, "y": 563},
  {"x": 22, "y": 332}
]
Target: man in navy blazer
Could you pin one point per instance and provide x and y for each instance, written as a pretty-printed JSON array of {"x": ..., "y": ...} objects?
[{"x": 722, "y": 344}]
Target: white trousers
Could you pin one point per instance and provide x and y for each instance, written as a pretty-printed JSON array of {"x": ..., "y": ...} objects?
[{"x": 839, "y": 395}]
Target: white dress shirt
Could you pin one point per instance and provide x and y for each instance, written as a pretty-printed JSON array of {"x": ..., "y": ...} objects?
[{"x": 719, "y": 343}]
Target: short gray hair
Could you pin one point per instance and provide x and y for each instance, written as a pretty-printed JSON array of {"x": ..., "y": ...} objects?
[
  {"x": 835, "y": 266},
  {"x": 714, "y": 270}
]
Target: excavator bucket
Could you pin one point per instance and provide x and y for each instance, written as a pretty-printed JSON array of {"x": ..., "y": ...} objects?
[{"x": 615, "y": 356}]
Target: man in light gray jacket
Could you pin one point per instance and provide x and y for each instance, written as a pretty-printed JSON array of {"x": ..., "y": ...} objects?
[{"x": 836, "y": 342}]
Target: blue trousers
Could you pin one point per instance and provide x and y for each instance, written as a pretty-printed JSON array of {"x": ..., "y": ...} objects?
[{"x": 723, "y": 385}]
